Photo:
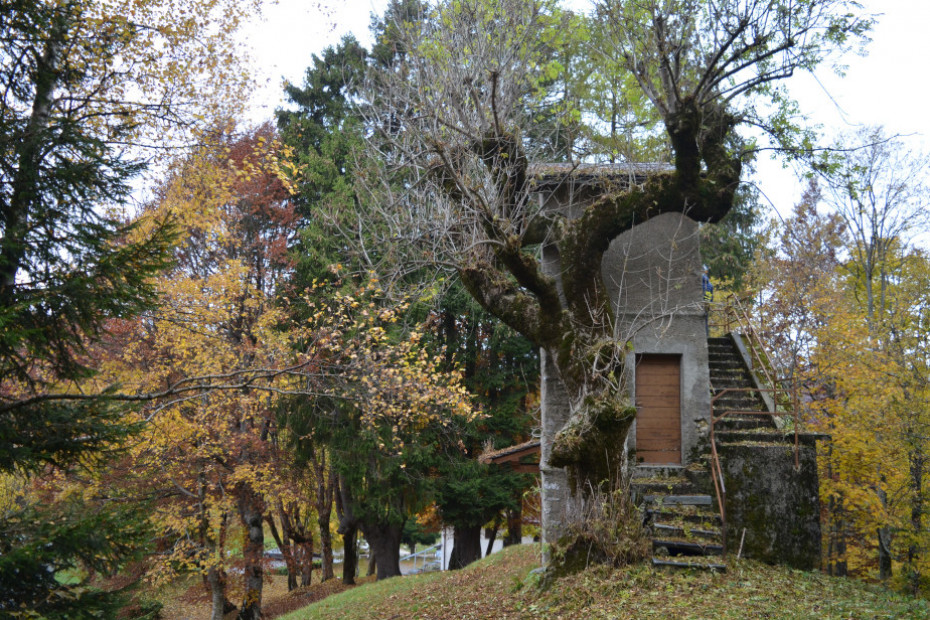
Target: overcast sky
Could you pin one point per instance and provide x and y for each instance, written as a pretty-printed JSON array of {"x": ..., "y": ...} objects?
[{"x": 888, "y": 87}]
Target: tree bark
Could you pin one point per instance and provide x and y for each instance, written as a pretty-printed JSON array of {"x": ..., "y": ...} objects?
[
  {"x": 466, "y": 546},
  {"x": 325, "y": 495},
  {"x": 384, "y": 545},
  {"x": 283, "y": 540},
  {"x": 914, "y": 550},
  {"x": 251, "y": 512},
  {"x": 514, "y": 527},
  {"x": 492, "y": 536},
  {"x": 372, "y": 566},
  {"x": 28, "y": 148},
  {"x": 305, "y": 558},
  {"x": 884, "y": 540},
  {"x": 220, "y": 605},
  {"x": 324, "y": 512},
  {"x": 348, "y": 528},
  {"x": 884, "y": 553},
  {"x": 350, "y": 555}
]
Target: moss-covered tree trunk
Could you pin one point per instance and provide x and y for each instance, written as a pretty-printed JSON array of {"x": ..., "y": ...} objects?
[{"x": 569, "y": 315}]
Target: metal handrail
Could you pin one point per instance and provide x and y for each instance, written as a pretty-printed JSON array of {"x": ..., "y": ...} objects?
[
  {"x": 423, "y": 553},
  {"x": 756, "y": 344}
]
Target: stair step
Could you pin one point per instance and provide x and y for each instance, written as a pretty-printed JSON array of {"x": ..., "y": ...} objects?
[
  {"x": 732, "y": 436},
  {"x": 712, "y": 566},
  {"x": 743, "y": 395},
  {"x": 719, "y": 363},
  {"x": 683, "y": 547},
  {"x": 665, "y": 530},
  {"x": 655, "y": 486},
  {"x": 721, "y": 360},
  {"x": 657, "y": 471},
  {"x": 691, "y": 515},
  {"x": 736, "y": 423},
  {"x": 678, "y": 500}
]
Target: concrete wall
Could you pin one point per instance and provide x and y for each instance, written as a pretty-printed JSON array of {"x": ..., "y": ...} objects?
[
  {"x": 653, "y": 271},
  {"x": 556, "y": 496},
  {"x": 778, "y": 506}
]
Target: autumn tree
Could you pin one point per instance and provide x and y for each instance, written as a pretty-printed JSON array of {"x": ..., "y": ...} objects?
[
  {"x": 449, "y": 121},
  {"x": 324, "y": 130},
  {"x": 84, "y": 84},
  {"x": 393, "y": 417},
  {"x": 878, "y": 186},
  {"x": 211, "y": 454},
  {"x": 859, "y": 364}
]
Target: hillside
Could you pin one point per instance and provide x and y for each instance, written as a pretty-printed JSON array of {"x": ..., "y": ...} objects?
[{"x": 501, "y": 586}]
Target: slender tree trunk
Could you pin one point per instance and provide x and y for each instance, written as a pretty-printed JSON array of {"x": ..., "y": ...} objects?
[
  {"x": 372, "y": 565},
  {"x": 884, "y": 553},
  {"x": 348, "y": 528},
  {"x": 884, "y": 539},
  {"x": 14, "y": 212},
  {"x": 915, "y": 549},
  {"x": 283, "y": 540},
  {"x": 492, "y": 536},
  {"x": 384, "y": 547},
  {"x": 466, "y": 546},
  {"x": 326, "y": 482},
  {"x": 220, "y": 606},
  {"x": 251, "y": 511},
  {"x": 514, "y": 526},
  {"x": 325, "y": 511}
]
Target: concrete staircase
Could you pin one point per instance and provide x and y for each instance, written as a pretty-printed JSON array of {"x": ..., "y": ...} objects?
[
  {"x": 679, "y": 506},
  {"x": 728, "y": 370},
  {"x": 682, "y": 519}
]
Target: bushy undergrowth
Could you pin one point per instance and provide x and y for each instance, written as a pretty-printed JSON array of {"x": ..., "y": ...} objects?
[{"x": 607, "y": 530}]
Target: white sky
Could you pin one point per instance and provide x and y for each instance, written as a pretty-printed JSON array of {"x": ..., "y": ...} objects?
[{"x": 887, "y": 87}]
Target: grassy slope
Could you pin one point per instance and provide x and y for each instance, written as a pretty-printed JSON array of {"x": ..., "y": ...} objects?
[{"x": 500, "y": 587}]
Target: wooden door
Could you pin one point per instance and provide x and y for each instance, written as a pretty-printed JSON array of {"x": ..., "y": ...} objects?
[{"x": 658, "y": 405}]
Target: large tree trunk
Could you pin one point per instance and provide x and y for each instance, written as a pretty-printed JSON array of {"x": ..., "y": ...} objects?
[
  {"x": 305, "y": 558},
  {"x": 350, "y": 555},
  {"x": 466, "y": 546},
  {"x": 514, "y": 526},
  {"x": 384, "y": 545},
  {"x": 251, "y": 512},
  {"x": 348, "y": 528}
]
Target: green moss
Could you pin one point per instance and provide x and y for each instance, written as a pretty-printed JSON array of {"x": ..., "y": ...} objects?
[{"x": 591, "y": 444}]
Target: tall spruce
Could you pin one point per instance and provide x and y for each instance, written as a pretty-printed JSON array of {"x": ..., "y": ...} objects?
[
  {"x": 501, "y": 369},
  {"x": 66, "y": 269}
]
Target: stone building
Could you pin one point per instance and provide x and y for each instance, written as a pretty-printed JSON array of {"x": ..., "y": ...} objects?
[{"x": 653, "y": 273}]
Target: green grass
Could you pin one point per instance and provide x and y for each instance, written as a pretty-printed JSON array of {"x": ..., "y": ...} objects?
[{"x": 501, "y": 586}]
